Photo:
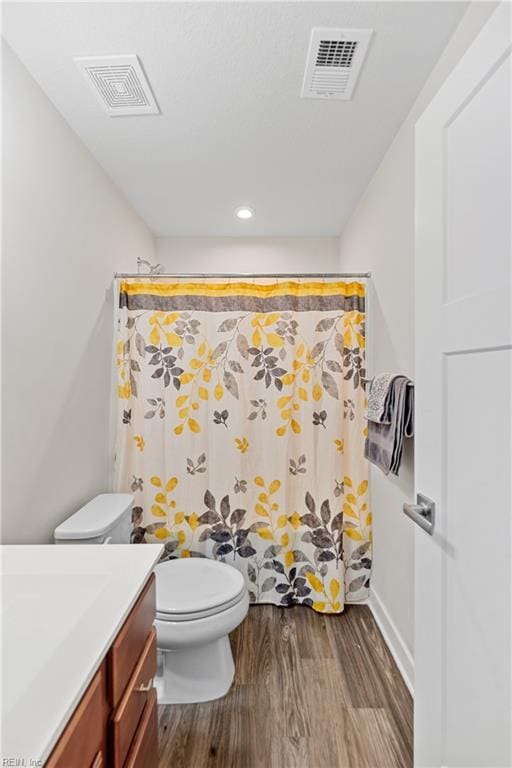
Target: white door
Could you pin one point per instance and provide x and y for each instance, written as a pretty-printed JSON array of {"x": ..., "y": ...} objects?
[{"x": 464, "y": 411}]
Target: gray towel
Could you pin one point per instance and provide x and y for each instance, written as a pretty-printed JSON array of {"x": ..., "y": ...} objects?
[{"x": 384, "y": 444}]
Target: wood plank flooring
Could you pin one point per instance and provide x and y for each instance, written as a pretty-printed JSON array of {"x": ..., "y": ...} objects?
[{"x": 310, "y": 691}]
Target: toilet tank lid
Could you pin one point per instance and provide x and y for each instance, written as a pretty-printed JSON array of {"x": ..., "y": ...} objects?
[{"x": 97, "y": 517}]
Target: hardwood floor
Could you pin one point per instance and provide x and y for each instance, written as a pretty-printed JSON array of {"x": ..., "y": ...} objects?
[{"x": 310, "y": 691}]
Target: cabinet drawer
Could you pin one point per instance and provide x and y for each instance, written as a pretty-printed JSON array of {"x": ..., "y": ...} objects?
[
  {"x": 137, "y": 695},
  {"x": 129, "y": 643},
  {"x": 144, "y": 750},
  {"x": 84, "y": 736}
]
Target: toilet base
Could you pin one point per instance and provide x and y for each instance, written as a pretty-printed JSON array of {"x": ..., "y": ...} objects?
[{"x": 201, "y": 673}]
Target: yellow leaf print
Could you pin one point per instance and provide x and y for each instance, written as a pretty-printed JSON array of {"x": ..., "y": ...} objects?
[
  {"x": 156, "y": 481},
  {"x": 203, "y": 393},
  {"x": 288, "y": 378},
  {"x": 282, "y": 401},
  {"x": 139, "y": 442},
  {"x": 303, "y": 393},
  {"x": 274, "y": 340},
  {"x": 361, "y": 488},
  {"x": 169, "y": 320},
  {"x": 354, "y": 534},
  {"x": 285, "y": 540},
  {"x": 242, "y": 444},
  {"x": 280, "y": 431},
  {"x": 171, "y": 484},
  {"x": 347, "y": 510},
  {"x": 193, "y": 426},
  {"x": 259, "y": 481},
  {"x": 369, "y": 519},
  {"x": 178, "y": 430},
  {"x": 181, "y": 537},
  {"x": 195, "y": 363},
  {"x": 186, "y": 378},
  {"x": 295, "y": 426},
  {"x": 181, "y": 400},
  {"x": 351, "y": 498},
  {"x": 256, "y": 338},
  {"x": 265, "y": 533},
  {"x": 173, "y": 340},
  {"x": 274, "y": 486},
  {"x": 263, "y": 498},
  {"x": 218, "y": 392},
  {"x": 347, "y": 481},
  {"x": 319, "y": 606},
  {"x": 179, "y": 518},
  {"x": 340, "y": 445},
  {"x": 124, "y": 391},
  {"x": 295, "y": 520},
  {"x": 281, "y": 521},
  {"x": 162, "y": 533},
  {"x": 183, "y": 412},
  {"x": 185, "y": 552},
  {"x": 317, "y": 392},
  {"x": 154, "y": 336},
  {"x": 315, "y": 582},
  {"x": 260, "y": 510},
  {"x": 201, "y": 348},
  {"x": 289, "y": 559},
  {"x": 207, "y": 375},
  {"x": 334, "y": 586},
  {"x": 272, "y": 318},
  {"x": 193, "y": 521},
  {"x": 336, "y": 607},
  {"x": 161, "y": 498},
  {"x": 157, "y": 511},
  {"x": 305, "y": 376}
]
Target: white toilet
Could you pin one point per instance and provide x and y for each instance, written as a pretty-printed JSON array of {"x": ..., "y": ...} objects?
[{"x": 198, "y": 603}]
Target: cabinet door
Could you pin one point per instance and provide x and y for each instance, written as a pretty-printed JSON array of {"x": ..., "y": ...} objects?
[
  {"x": 144, "y": 750},
  {"x": 127, "y": 646},
  {"x": 128, "y": 714},
  {"x": 83, "y": 741}
]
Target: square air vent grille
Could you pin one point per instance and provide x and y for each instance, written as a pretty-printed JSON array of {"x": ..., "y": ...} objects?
[
  {"x": 119, "y": 84},
  {"x": 334, "y": 62},
  {"x": 335, "y": 53}
]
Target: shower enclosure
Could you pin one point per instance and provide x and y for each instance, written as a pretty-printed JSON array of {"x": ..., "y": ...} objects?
[{"x": 240, "y": 428}]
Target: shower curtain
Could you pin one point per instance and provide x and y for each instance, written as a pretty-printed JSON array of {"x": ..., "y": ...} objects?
[{"x": 241, "y": 427}]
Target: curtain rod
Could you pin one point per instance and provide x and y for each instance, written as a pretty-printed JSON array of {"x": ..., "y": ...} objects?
[{"x": 248, "y": 275}]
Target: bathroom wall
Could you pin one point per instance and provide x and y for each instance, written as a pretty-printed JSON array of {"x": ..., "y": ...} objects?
[
  {"x": 380, "y": 237},
  {"x": 248, "y": 254},
  {"x": 66, "y": 228}
]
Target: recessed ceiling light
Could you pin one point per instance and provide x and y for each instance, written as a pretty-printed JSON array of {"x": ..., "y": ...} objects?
[{"x": 244, "y": 212}]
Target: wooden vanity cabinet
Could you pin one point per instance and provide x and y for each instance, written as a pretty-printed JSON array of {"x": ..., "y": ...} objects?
[{"x": 115, "y": 723}]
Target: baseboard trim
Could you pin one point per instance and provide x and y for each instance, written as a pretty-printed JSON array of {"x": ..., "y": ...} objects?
[{"x": 394, "y": 640}]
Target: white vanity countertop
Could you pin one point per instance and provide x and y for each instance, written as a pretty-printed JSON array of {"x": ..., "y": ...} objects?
[{"x": 62, "y": 606}]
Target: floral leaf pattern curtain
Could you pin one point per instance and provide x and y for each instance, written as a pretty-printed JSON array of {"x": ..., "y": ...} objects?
[{"x": 241, "y": 429}]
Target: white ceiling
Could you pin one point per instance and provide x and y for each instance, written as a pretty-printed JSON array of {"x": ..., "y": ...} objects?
[{"x": 233, "y": 129}]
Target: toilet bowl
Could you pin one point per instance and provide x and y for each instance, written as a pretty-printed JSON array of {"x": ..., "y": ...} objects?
[{"x": 199, "y": 602}]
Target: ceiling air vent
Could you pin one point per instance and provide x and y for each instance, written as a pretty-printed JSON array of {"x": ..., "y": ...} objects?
[
  {"x": 334, "y": 62},
  {"x": 119, "y": 83}
]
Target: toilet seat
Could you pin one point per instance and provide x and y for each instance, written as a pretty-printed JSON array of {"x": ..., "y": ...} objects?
[{"x": 193, "y": 588}]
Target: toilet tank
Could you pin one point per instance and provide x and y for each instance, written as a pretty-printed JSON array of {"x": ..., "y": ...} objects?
[{"x": 106, "y": 519}]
